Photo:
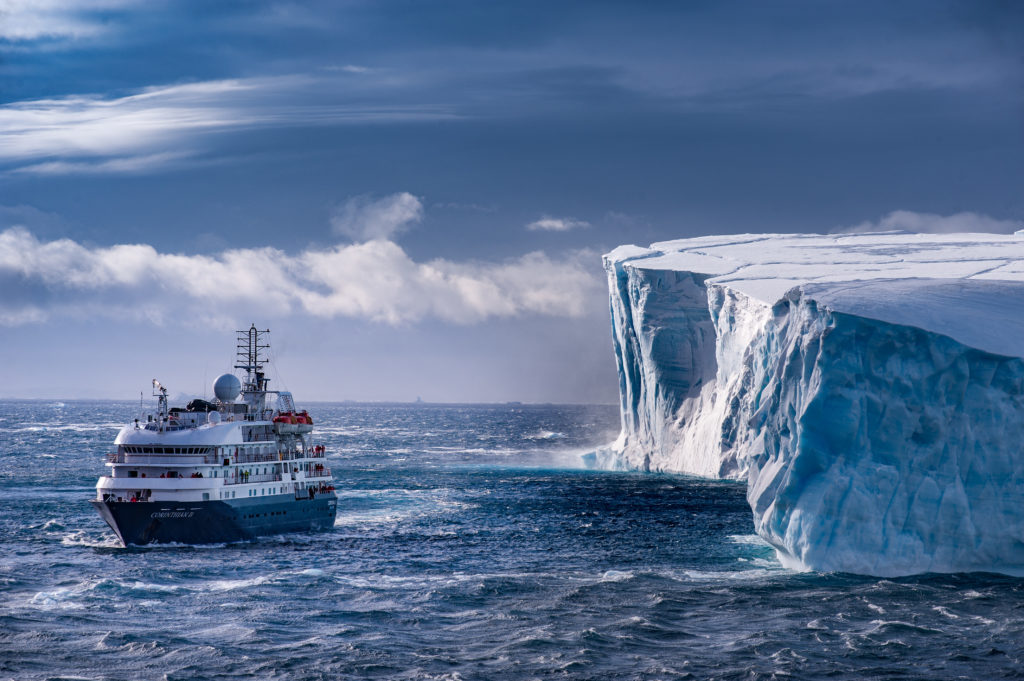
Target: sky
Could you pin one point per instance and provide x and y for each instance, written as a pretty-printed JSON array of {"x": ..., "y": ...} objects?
[{"x": 414, "y": 196}]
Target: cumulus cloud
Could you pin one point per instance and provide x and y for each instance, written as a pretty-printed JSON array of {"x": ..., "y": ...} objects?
[
  {"x": 374, "y": 280},
  {"x": 550, "y": 224},
  {"x": 363, "y": 218},
  {"x": 910, "y": 221}
]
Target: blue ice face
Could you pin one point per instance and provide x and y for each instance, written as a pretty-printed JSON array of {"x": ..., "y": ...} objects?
[{"x": 874, "y": 422}]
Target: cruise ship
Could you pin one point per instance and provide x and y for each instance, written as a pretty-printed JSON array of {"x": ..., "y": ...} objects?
[{"x": 244, "y": 465}]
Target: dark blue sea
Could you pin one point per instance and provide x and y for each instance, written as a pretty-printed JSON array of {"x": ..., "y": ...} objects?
[{"x": 470, "y": 544}]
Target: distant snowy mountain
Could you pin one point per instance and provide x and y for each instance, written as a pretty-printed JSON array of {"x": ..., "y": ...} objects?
[{"x": 869, "y": 388}]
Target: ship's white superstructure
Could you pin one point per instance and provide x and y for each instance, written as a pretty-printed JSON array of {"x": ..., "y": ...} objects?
[{"x": 218, "y": 471}]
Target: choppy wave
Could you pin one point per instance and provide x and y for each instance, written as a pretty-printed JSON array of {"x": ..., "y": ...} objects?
[{"x": 469, "y": 544}]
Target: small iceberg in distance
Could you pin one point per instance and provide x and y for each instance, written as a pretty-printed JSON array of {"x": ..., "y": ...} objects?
[{"x": 867, "y": 387}]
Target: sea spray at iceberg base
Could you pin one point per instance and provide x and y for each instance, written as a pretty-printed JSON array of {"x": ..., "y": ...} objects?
[{"x": 868, "y": 388}]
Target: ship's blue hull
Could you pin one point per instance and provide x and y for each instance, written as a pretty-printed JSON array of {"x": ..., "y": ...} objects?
[{"x": 214, "y": 522}]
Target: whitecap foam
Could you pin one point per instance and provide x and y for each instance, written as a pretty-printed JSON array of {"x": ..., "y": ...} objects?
[
  {"x": 232, "y": 584},
  {"x": 91, "y": 540},
  {"x": 62, "y": 598},
  {"x": 749, "y": 540},
  {"x": 229, "y": 632},
  {"x": 723, "y": 575},
  {"x": 545, "y": 435},
  {"x": 617, "y": 576}
]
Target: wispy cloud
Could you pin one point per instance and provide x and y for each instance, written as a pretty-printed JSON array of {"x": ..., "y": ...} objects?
[
  {"x": 128, "y": 164},
  {"x": 376, "y": 280},
  {"x": 22, "y": 20},
  {"x": 550, "y": 224},
  {"x": 90, "y": 133},
  {"x": 350, "y": 68},
  {"x": 364, "y": 218},
  {"x": 932, "y": 223}
]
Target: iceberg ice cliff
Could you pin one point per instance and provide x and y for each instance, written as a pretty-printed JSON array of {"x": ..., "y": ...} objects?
[{"x": 869, "y": 388}]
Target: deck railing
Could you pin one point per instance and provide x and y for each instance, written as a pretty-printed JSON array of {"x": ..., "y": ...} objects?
[
  {"x": 245, "y": 480},
  {"x": 156, "y": 459}
]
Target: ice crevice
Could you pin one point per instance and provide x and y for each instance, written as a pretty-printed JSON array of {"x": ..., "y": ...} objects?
[{"x": 868, "y": 388}]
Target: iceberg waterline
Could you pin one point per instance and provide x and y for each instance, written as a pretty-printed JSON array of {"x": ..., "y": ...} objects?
[{"x": 869, "y": 389}]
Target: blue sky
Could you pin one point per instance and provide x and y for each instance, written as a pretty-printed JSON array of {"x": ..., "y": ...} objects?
[{"x": 414, "y": 196}]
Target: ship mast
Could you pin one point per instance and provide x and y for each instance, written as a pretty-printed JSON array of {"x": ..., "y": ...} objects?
[{"x": 251, "y": 357}]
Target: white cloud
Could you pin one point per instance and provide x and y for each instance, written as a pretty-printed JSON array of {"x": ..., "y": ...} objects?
[
  {"x": 375, "y": 280},
  {"x": 351, "y": 68},
  {"x": 128, "y": 164},
  {"x": 910, "y": 221},
  {"x": 146, "y": 123},
  {"x": 363, "y": 218},
  {"x": 157, "y": 125},
  {"x": 22, "y": 20},
  {"x": 550, "y": 224}
]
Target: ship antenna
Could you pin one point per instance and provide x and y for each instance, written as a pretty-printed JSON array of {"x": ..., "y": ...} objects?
[
  {"x": 252, "y": 358},
  {"x": 160, "y": 392}
]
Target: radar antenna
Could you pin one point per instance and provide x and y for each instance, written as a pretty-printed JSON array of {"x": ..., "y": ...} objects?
[{"x": 252, "y": 358}]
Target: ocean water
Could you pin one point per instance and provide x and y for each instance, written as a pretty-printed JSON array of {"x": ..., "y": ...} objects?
[{"x": 470, "y": 544}]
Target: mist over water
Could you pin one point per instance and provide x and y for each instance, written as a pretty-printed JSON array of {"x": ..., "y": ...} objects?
[{"x": 470, "y": 544}]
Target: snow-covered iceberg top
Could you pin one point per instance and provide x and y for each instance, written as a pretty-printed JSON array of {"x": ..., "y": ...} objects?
[
  {"x": 959, "y": 276},
  {"x": 868, "y": 387}
]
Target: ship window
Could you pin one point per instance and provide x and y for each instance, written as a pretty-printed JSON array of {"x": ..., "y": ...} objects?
[{"x": 206, "y": 496}]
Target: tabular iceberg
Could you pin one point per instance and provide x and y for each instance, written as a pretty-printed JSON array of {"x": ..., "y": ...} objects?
[{"x": 869, "y": 388}]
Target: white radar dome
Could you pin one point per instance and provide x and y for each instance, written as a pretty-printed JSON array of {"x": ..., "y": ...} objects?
[{"x": 227, "y": 387}]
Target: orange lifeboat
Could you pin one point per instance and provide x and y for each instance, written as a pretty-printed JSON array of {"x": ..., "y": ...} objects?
[{"x": 293, "y": 422}]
